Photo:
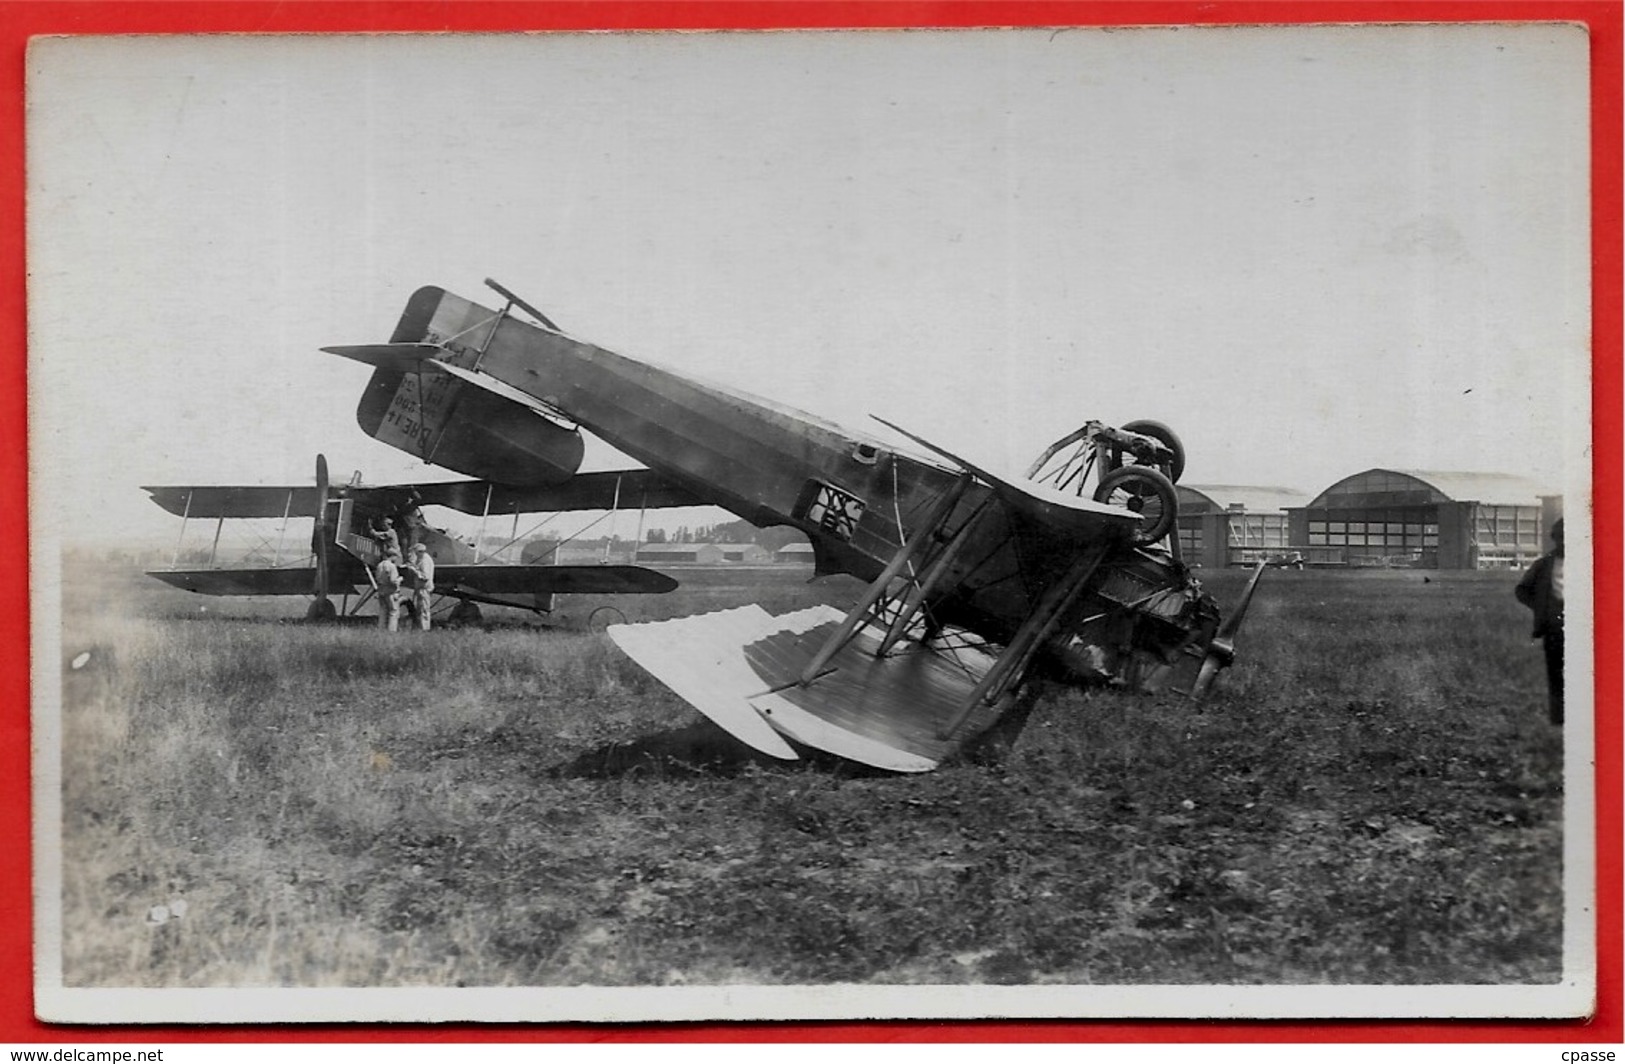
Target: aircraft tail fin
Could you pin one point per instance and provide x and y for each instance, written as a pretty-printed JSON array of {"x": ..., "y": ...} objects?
[
  {"x": 424, "y": 401},
  {"x": 398, "y": 357}
]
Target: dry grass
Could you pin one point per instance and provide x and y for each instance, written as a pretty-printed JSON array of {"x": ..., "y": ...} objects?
[{"x": 1373, "y": 797}]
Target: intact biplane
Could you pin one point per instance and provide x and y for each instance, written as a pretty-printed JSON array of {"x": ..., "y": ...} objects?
[
  {"x": 979, "y": 586},
  {"x": 353, "y": 523}
]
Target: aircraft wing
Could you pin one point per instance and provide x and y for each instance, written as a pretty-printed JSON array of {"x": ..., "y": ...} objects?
[
  {"x": 740, "y": 669},
  {"x": 227, "y": 501},
  {"x": 450, "y": 579},
  {"x": 628, "y": 489},
  {"x": 891, "y": 712},
  {"x": 1051, "y": 509},
  {"x": 551, "y": 579},
  {"x": 701, "y": 658},
  {"x": 241, "y": 581}
]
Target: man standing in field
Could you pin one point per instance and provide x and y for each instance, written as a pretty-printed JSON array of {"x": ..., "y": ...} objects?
[
  {"x": 388, "y": 578},
  {"x": 1541, "y": 589},
  {"x": 422, "y": 566}
]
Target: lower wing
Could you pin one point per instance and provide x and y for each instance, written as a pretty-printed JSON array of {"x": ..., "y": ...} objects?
[
  {"x": 741, "y": 668},
  {"x": 551, "y": 580},
  {"x": 454, "y": 580}
]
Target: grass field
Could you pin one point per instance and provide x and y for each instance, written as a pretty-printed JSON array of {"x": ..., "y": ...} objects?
[{"x": 1373, "y": 796}]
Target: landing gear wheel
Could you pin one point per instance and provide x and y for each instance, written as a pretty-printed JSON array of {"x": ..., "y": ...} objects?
[
  {"x": 1146, "y": 492},
  {"x": 321, "y": 610},
  {"x": 1164, "y": 435},
  {"x": 464, "y": 614}
]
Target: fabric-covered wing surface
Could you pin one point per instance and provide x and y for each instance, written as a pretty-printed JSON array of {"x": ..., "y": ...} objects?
[
  {"x": 228, "y": 501},
  {"x": 552, "y": 579},
  {"x": 889, "y": 712},
  {"x": 701, "y": 658},
  {"x": 627, "y": 489},
  {"x": 1055, "y": 511},
  {"x": 740, "y": 668},
  {"x": 239, "y": 581}
]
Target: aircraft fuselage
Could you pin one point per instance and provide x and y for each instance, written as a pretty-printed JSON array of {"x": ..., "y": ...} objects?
[{"x": 855, "y": 497}]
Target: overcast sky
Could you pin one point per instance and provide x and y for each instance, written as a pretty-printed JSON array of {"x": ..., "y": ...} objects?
[{"x": 1310, "y": 250}]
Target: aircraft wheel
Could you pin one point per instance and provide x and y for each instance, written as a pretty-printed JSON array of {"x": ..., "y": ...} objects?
[
  {"x": 465, "y": 613},
  {"x": 603, "y": 617},
  {"x": 1146, "y": 492},
  {"x": 1164, "y": 435},
  {"x": 321, "y": 610}
]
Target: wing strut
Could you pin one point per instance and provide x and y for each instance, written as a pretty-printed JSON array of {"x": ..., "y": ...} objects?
[
  {"x": 921, "y": 536},
  {"x": 282, "y": 532},
  {"x": 1038, "y": 627},
  {"x": 614, "y": 512},
  {"x": 483, "y": 515},
  {"x": 185, "y": 513},
  {"x": 927, "y": 582}
]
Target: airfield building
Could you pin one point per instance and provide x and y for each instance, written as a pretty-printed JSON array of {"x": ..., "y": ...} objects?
[
  {"x": 795, "y": 554},
  {"x": 1428, "y": 520},
  {"x": 679, "y": 554},
  {"x": 1228, "y": 524}
]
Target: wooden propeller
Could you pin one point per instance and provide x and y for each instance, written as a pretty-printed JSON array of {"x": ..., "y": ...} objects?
[
  {"x": 321, "y": 608},
  {"x": 1221, "y": 649}
]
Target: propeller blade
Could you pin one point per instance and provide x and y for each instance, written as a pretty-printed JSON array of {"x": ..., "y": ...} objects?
[
  {"x": 1221, "y": 649},
  {"x": 1232, "y": 623},
  {"x": 1211, "y": 667},
  {"x": 318, "y": 542}
]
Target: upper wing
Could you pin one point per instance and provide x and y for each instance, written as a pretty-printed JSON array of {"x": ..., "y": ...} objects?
[
  {"x": 628, "y": 488},
  {"x": 235, "y": 501},
  {"x": 1051, "y": 509},
  {"x": 585, "y": 491}
]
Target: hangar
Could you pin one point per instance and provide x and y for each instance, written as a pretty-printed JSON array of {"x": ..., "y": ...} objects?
[
  {"x": 679, "y": 554},
  {"x": 1230, "y": 524},
  {"x": 1427, "y": 520}
]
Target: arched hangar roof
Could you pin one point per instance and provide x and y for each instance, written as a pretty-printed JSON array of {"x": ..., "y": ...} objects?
[
  {"x": 1213, "y": 498},
  {"x": 1412, "y": 487}
]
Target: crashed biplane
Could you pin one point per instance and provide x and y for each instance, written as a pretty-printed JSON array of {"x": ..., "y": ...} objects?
[
  {"x": 978, "y": 585},
  {"x": 348, "y": 539}
]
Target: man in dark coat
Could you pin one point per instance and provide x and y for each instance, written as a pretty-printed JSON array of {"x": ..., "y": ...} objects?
[{"x": 1541, "y": 589}]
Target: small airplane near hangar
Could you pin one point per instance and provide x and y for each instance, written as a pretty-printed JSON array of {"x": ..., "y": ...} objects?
[
  {"x": 347, "y": 540},
  {"x": 978, "y": 586}
]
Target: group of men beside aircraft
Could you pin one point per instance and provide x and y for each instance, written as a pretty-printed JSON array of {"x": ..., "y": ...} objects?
[{"x": 395, "y": 573}]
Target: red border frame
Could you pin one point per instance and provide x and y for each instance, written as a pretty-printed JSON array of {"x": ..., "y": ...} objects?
[{"x": 19, "y": 20}]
